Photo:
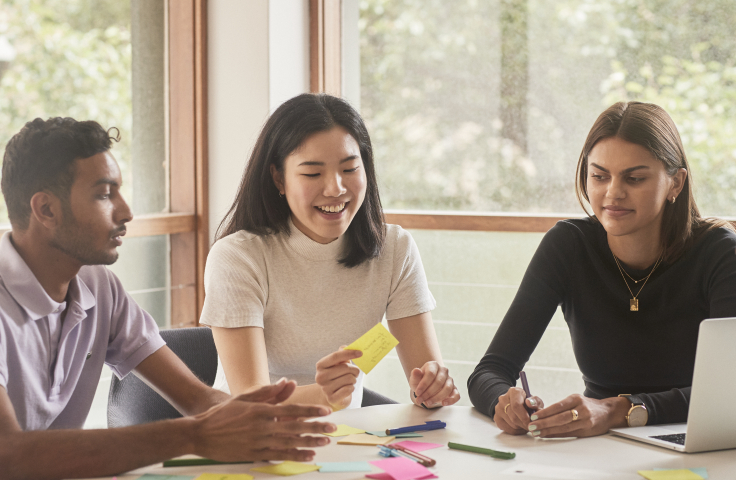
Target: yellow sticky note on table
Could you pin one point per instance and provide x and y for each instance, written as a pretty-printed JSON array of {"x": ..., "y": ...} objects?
[
  {"x": 287, "y": 468},
  {"x": 224, "y": 476},
  {"x": 669, "y": 474},
  {"x": 344, "y": 430},
  {"x": 365, "y": 439},
  {"x": 374, "y": 344}
]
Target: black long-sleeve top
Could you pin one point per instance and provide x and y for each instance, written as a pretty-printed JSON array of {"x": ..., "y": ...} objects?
[{"x": 650, "y": 352}]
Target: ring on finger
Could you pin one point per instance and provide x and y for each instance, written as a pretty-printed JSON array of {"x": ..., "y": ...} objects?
[
  {"x": 574, "y": 414},
  {"x": 506, "y": 407}
]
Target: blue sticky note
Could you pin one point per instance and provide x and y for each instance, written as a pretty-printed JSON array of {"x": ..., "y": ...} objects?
[
  {"x": 332, "y": 467},
  {"x": 702, "y": 471}
]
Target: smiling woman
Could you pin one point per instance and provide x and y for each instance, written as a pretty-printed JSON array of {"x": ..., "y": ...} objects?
[
  {"x": 304, "y": 264},
  {"x": 648, "y": 242}
]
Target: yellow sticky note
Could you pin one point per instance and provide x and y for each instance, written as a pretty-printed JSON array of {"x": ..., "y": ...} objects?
[
  {"x": 224, "y": 476},
  {"x": 343, "y": 430},
  {"x": 669, "y": 474},
  {"x": 374, "y": 344},
  {"x": 287, "y": 468},
  {"x": 365, "y": 439}
]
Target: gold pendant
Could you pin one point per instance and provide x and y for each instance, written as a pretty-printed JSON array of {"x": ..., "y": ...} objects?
[{"x": 634, "y": 304}]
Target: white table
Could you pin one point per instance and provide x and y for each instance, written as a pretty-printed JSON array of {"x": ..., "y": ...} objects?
[{"x": 606, "y": 456}]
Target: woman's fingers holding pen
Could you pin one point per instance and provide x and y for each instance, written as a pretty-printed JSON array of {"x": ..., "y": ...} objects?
[
  {"x": 510, "y": 409},
  {"x": 574, "y": 416}
]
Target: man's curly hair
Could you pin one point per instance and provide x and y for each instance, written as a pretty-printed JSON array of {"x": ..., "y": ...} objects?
[{"x": 41, "y": 158}]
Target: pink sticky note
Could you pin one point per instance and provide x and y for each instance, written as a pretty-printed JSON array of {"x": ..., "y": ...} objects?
[
  {"x": 386, "y": 476},
  {"x": 401, "y": 468},
  {"x": 418, "y": 446}
]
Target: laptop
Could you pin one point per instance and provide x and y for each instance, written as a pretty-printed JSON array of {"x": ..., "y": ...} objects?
[{"x": 711, "y": 416}]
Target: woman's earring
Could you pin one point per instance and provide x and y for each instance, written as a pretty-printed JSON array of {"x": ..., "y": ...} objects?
[
  {"x": 281, "y": 194},
  {"x": 673, "y": 200}
]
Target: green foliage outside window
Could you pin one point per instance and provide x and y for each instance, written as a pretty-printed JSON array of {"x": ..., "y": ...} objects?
[{"x": 72, "y": 59}]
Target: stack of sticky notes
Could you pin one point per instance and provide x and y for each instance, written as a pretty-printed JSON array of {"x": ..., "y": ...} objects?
[
  {"x": 365, "y": 439},
  {"x": 374, "y": 344},
  {"x": 287, "y": 468},
  {"x": 400, "y": 468},
  {"x": 674, "y": 474},
  {"x": 417, "y": 446},
  {"x": 332, "y": 467},
  {"x": 344, "y": 430}
]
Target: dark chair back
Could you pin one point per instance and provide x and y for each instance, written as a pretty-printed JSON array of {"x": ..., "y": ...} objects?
[{"x": 132, "y": 402}]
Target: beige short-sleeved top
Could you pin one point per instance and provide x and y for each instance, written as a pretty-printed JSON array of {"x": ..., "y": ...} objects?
[{"x": 306, "y": 302}]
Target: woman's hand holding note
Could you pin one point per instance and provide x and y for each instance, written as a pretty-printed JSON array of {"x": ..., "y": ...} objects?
[
  {"x": 510, "y": 414},
  {"x": 433, "y": 386},
  {"x": 337, "y": 377}
]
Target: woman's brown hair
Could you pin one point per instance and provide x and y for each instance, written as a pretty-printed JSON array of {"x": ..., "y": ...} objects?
[{"x": 649, "y": 126}]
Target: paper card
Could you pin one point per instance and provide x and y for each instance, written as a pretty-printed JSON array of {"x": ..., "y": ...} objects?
[
  {"x": 702, "y": 471},
  {"x": 418, "y": 446},
  {"x": 682, "y": 474},
  {"x": 386, "y": 476},
  {"x": 374, "y": 344},
  {"x": 223, "y": 476},
  {"x": 287, "y": 468},
  {"x": 382, "y": 433},
  {"x": 331, "y": 467},
  {"x": 150, "y": 476},
  {"x": 365, "y": 439},
  {"x": 401, "y": 468},
  {"x": 344, "y": 430}
]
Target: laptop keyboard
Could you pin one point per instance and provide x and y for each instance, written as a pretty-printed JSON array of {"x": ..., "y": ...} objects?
[{"x": 678, "y": 438}]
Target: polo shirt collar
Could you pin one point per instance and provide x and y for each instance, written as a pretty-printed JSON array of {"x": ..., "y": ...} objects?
[{"x": 25, "y": 288}]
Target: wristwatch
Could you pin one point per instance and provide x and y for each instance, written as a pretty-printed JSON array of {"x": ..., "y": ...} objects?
[{"x": 638, "y": 415}]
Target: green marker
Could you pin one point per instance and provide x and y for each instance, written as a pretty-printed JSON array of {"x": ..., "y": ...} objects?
[
  {"x": 484, "y": 451},
  {"x": 190, "y": 462}
]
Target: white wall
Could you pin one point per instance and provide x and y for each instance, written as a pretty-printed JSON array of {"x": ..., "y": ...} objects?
[{"x": 258, "y": 57}]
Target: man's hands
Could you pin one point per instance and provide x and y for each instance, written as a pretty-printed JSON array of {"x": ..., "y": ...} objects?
[
  {"x": 433, "y": 386},
  {"x": 594, "y": 417},
  {"x": 510, "y": 414},
  {"x": 253, "y": 427},
  {"x": 337, "y": 376}
]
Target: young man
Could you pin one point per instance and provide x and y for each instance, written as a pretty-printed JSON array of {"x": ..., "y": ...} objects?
[{"x": 63, "y": 314}]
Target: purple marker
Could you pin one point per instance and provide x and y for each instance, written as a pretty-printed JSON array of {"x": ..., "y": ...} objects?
[{"x": 525, "y": 386}]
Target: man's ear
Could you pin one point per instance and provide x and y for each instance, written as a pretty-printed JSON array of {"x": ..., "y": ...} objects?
[
  {"x": 278, "y": 178},
  {"x": 46, "y": 209}
]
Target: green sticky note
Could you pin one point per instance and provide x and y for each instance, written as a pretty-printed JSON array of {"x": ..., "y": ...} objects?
[
  {"x": 374, "y": 344},
  {"x": 682, "y": 474},
  {"x": 287, "y": 468},
  {"x": 332, "y": 467},
  {"x": 224, "y": 476}
]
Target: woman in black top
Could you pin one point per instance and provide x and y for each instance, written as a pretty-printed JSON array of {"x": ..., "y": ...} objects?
[{"x": 634, "y": 281}]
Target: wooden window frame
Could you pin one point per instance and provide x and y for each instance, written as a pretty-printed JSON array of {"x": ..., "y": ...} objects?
[{"x": 187, "y": 220}]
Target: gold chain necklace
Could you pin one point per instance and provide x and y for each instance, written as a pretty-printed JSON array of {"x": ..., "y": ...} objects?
[{"x": 634, "y": 302}]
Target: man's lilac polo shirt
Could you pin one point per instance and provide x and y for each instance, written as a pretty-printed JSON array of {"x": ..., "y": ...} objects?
[{"x": 102, "y": 325}]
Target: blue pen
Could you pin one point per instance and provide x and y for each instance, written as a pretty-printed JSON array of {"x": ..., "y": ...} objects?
[
  {"x": 525, "y": 386},
  {"x": 433, "y": 425}
]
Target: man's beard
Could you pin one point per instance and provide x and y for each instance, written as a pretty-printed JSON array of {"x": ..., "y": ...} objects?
[{"x": 73, "y": 241}]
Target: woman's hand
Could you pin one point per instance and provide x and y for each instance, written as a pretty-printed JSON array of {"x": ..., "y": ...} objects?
[
  {"x": 579, "y": 416},
  {"x": 510, "y": 414},
  {"x": 433, "y": 386},
  {"x": 337, "y": 376}
]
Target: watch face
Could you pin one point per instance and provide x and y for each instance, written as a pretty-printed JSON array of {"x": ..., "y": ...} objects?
[{"x": 638, "y": 416}]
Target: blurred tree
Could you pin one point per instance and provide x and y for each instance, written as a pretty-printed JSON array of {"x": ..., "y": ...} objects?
[{"x": 73, "y": 58}]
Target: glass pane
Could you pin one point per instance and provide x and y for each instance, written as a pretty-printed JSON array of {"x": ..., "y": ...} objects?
[
  {"x": 474, "y": 277},
  {"x": 101, "y": 60},
  {"x": 485, "y": 105}
]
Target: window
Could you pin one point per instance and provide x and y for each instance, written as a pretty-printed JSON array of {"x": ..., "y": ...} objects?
[
  {"x": 139, "y": 66},
  {"x": 478, "y": 110}
]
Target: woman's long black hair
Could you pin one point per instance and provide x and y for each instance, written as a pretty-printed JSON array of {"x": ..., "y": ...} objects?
[{"x": 259, "y": 209}]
